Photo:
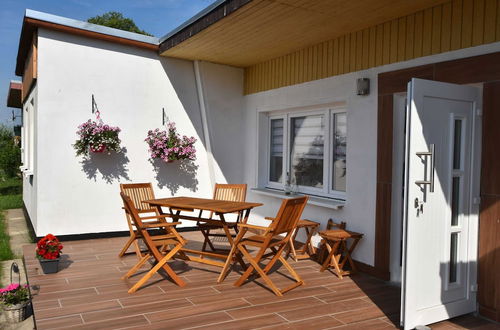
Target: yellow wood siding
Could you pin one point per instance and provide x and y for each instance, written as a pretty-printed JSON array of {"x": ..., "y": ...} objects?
[{"x": 449, "y": 26}]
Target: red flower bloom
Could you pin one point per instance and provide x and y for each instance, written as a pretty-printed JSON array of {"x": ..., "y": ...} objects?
[{"x": 48, "y": 248}]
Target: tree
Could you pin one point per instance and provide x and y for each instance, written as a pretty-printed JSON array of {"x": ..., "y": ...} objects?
[
  {"x": 116, "y": 20},
  {"x": 10, "y": 154}
]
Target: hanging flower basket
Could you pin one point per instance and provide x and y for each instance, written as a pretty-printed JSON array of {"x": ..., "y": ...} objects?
[
  {"x": 169, "y": 146},
  {"x": 96, "y": 137},
  {"x": 15, "y": 299},
  {"x": 48, "y": 251}
]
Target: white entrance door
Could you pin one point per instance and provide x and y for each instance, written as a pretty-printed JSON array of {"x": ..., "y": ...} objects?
[{"x": 440, "y": 216}]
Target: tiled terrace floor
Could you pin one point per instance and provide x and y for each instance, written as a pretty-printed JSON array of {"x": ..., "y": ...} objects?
[{"x": 87, "y": 293}]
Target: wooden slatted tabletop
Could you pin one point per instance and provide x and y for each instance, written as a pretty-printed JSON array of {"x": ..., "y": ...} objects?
[{"x": 205, "y": 204}]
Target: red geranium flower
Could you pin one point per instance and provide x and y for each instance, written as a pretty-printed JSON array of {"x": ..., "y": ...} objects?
[{"x": 48, "y": 248}]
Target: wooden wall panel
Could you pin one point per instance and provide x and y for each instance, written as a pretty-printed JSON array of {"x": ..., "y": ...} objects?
[
  {"x": 449, "y": 26},
  {"x": 489, "y": 258},
  {"x": 490, "y": 170},
  {"x": 30, "y": 69}
]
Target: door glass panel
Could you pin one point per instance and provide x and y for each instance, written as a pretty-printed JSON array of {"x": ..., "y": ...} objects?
[
  {"x": 453, "y": 257},
  {"x": 307, "y": 148},
  {"x": 276, "y": 154},
  {"x": 457, "y": 144},
  {"x": 339, "y": 151},
  {"x": 455, "y": 201}
]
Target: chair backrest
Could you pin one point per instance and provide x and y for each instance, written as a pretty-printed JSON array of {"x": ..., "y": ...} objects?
[
  {"x": 331, "y": 224},
  {"x": 230, "y": 192},
  {"x": 288, "y": 215},
  {"x": 138, "y": 193},
  {"x": 130, "y": 208},
  {"x": 136, "y": 219}
]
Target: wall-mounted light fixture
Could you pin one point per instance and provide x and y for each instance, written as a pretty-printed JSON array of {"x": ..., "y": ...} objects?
[{"x": 363, "y": 86}]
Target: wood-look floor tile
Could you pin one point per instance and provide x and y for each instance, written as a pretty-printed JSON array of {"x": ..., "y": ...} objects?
[
  {"x": 60, "y": 322},
  {"x": 276, "y": 307},
  {"x": 123, "y": 322},
  {"x": 375, "y": 324},
  {"x": 306, "y": 312},
  {"x": 89, "y": 285},
  {"x": 250, "y": 323},
  {"x": 201, "y": 320},
  {"x": 153, "y": 306},
  {"x": 198, "y": 309},
  {"x": 322, "y": 322},
  {"x": 88, "y": 306}
]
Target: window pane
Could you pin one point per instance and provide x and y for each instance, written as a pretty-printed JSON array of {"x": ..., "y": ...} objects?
[
  {"x": 339, "y": 151},
  {"x": 455, "y": 200},
  {"x": 276, "y": 155},
  {"x": 307, "y": 148},
  {"x": 453, "y": 257},
  {"x": 457, "y": 144}
]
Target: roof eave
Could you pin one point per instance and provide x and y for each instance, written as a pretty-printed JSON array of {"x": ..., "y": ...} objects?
[
  {"x": 34, "y": 19},
  {"x": 205, "y": 18}
]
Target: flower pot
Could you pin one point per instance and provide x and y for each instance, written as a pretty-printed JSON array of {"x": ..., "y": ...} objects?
[
  {"x": 16, "y": 313},
  {"x": 169, "y": 161},
  {"x": 98, "y": 149},
  {"x": 49, "y": 266}
]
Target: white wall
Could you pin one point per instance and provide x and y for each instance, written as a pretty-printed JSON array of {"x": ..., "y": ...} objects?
[
  {"x": 130, "y": 86},
  {"x": 359, "y": 211},
  {"x": 223, "y": 91}
]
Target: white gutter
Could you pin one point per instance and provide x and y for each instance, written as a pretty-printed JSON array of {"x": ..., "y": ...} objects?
[{"x": 204, "y": 121}]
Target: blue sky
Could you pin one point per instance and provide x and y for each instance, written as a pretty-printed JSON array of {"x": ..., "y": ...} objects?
[{"x": 154, "y": 16}]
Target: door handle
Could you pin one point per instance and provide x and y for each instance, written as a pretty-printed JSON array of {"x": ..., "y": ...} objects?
[{"x": 430, "y": 154}]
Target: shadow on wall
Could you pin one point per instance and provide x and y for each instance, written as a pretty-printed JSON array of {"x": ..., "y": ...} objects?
[
  {"x": 180, "y": 173},
  {"x": 110, "y": 167}
]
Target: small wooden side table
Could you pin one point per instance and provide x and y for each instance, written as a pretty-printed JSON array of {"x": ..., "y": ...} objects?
[
  {"x": 339, "y": 252},
  {"x": 307, "y": 249}
]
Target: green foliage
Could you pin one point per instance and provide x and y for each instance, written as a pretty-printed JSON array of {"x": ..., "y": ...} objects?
[
  {"x": 8, "y": 202},
  {"x": 10, "y": 154},
  {"x": 116, "y": 20},
  {"x": 5, "y": 251},
  {"x": 11, "y": 186}
]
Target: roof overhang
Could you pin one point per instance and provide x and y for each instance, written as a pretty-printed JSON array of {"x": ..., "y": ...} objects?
[
  {"x": 14, "y": 96},
  {"x": 34, "y": 19},
  {"x": 245, "y": 32}
]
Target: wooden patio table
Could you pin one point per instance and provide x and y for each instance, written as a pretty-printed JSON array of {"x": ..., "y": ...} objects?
[{"x": 176, "y": 205}]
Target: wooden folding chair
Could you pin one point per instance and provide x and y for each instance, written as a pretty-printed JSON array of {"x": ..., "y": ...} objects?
[
  {"x": 223, "y": 192},
  {"x": 272, "y": 239},
  {"x": 158, "y": 246},
  {"x": 138, "y": 193}
]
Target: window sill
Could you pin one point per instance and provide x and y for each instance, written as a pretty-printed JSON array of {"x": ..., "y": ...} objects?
[{"x": 330, "y": 203}]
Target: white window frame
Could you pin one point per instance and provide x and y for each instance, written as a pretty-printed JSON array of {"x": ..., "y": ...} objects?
[
  {"x": 273, "y": 184},
  {"x": 340, "y": 194},
  {"x": 28, "y": 137},
  {"x": 328, "y": 113}
]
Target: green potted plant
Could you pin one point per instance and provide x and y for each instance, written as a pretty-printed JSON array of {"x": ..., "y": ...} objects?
[
  {"x": 15, "y": 299},
  {"x": 48, "y": 251}
]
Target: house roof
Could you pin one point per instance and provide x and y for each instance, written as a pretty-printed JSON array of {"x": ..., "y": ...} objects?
[
  {"x": 245, "y": 32},
  {"x": 34, "y": 19},
  {"x": 14, "y": 95}
]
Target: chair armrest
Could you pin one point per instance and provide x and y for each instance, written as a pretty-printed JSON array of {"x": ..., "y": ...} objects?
[
  {"x": 162, "y": 216},
  {"x": 160, "y": 224},
  {"x": 252, "y": 226}
]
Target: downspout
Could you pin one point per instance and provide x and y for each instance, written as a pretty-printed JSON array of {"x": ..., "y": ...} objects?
[{"x": 204, "y": 121}]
